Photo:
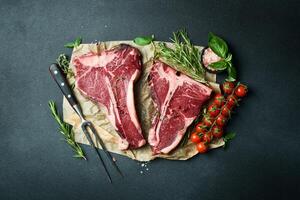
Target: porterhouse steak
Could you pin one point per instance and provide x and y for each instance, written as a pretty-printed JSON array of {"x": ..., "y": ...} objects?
[
  {"x": 108, "y": 79},
  {"x": 178, "y": 100}
]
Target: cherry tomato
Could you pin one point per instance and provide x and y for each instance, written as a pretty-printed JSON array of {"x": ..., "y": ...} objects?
[
  {"x": 202, "y": 147},
  {"x": 221, "y": 120},
  {"x": 213, "y": 110},
  {"x": 231, "y": 101},
  {"x": 200, "y": 127},
  {"x": 195, "y": 137},
  {"x": 219, "y": 100},
  {"x": 207, "y": 137},
  {"x": 228, "y": 87},
  {"x": 217, "y": 131},
  {"x": 225, "y": 111},
  {"x": 241, "y": 90},
  {"x": 207, "y": 121}
]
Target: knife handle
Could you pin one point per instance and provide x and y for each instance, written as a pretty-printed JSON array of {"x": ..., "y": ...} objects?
[{"x": 62, "y": 83}]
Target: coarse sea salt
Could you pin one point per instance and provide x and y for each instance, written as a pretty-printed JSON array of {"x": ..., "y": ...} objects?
[{"x": 144, "y": 167}]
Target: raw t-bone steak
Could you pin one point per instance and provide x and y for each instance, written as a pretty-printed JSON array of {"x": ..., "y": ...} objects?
[
  {"x": 108, "y": 79},
  {"x": 178, "y": 100}
]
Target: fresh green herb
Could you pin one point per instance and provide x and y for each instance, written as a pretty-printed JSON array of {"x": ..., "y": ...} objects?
[
  {"x": 228, "y": 58},
  {"x": 74, "y": 44},
  {"x": 145, "y": 40},
  {"x": 231, "y": 73},
  {"x": 184, "y": 57},
  {"x": 220, "y": 47},
  {"x": 64, "y": 64},
  {"x": 190, "y": 129},
  {"x": 229, "y": 136},
  {"x": 220, "y": 65},
  {"x": 66, "y": 130}
]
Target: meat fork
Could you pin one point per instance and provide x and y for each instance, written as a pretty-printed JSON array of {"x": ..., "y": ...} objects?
[{"x": 61, "y": 81}]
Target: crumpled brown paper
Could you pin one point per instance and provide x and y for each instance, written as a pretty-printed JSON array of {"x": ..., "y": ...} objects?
[{"x": 144, "y": 107}]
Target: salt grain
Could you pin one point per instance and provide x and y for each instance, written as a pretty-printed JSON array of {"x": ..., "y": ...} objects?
[{"x": 144, "y": 167}]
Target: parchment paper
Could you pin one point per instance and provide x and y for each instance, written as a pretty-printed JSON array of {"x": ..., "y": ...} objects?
[{"x": 143, "y": 104}]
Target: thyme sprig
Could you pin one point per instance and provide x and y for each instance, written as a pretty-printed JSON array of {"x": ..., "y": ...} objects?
[
  {"x": 63, "y": 62},
  {"x": 184, "y": 57},
  {"x": 66, "y": 130}
]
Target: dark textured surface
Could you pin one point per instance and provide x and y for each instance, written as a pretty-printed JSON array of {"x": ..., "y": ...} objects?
[{"x": 261, "y": 163}]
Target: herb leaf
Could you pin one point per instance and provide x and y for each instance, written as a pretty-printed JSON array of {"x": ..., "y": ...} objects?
[
  {"x": 77, "y": 42},
  {"x": 69, "y": 45},
  {"x": 74, "y": 44},
  {"x": 229, "y": 136},
  {"x": 229, "y": 57},
  {"x": 66, "y": 130},
  {"x": 220, "y": 65},
  {"x": 145, "y": 40},
  {"x": 218, "y": 45},
  {"x": 231, "y": 73}
]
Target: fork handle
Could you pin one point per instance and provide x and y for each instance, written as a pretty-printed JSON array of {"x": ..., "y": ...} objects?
[{"x": 63, "y": 84}]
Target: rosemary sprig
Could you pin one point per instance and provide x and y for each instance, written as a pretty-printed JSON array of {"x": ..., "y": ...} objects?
[
  {"x": 184, "y": 57},
  {"x": 190, "y": 129},
  {"x": 66, "y": 130},
  {"x": 64, "y": 63}
]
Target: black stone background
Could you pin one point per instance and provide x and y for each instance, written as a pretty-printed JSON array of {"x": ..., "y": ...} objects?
[{"x": 262, "y": 162}]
